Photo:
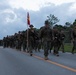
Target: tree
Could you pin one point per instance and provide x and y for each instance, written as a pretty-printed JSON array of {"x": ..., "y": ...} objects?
[
  {"x": 52, "y": 20},
  {"x": 74, "y": 23},
  {"x": 68, "y": 24},
  {"x": 59, "y": 27}
]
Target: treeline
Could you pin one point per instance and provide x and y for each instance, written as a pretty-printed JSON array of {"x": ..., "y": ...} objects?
[{"x": 67, "y": 28}]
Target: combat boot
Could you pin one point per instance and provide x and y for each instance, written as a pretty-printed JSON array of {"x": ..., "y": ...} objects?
[
  {"x": 31, "y": 54},
  {"x": 46, "y": 57},
  {"x": 72, "y": 51},
  {"x": 57, "y": 54}
]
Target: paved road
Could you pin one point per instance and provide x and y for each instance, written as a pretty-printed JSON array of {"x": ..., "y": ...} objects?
[{"x": 13, "y": 62}]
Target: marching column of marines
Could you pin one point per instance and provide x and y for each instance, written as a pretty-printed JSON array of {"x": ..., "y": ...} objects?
[{"x": 45, "y": 38}]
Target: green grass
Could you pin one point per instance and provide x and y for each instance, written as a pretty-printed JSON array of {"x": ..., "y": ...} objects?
[{"x": 68, "y": 47}]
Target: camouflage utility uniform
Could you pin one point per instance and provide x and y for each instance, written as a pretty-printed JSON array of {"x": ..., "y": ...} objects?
[{"x": 46, "y": 36}]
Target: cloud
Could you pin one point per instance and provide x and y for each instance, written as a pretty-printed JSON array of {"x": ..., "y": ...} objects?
[
  {"x": 13, "y": 20},
  {"x": 61, "y": 11},
  {"x": 35, "y": 4}
]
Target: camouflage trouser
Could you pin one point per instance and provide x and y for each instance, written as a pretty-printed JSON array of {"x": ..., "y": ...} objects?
[
  {"x": 62, "y": 46},
  {"x": 56, "y": 46},
  {"x": 36, "y": 45},
  {"x": 46, "y": 47},
  {"x": 24, "y": 46},
  {"x": 31, "y": 46},
  {"x": 16, "y": 44},
  {"x": 4, "y": 44},
  {"x": 19, "y": 45},
  {"x": 74, "y": 45},
  {"x": 51, "y": 46}
]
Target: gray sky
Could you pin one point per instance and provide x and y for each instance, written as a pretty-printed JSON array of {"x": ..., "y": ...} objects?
[{"x": 13, "y": 13}]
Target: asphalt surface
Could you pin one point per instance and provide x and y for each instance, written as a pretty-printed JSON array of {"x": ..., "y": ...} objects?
[{"x": 13, "y": 62}]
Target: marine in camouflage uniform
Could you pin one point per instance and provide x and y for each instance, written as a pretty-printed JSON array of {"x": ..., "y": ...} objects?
[
  {"x": 62, "y": 37},
  {"x": 73, "y": 36},
  {"x": 4, "y": 42},
  {"x": 24, "y": 42},
  {"x": 31, "y": 39},
  {"x": 56, "y": 41},
  {"x": 46, "y": 36},
  {"x": 19, "y": 40},
  {"x": 37, "y": 42}
]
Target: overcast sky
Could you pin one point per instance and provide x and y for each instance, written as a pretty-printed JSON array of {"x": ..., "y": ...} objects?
[{"x": 13, "y": 13}]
